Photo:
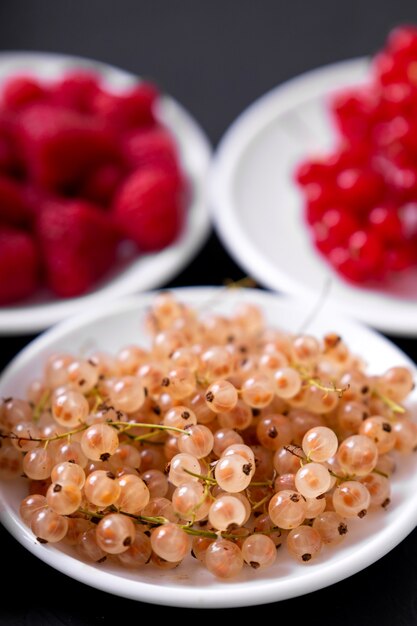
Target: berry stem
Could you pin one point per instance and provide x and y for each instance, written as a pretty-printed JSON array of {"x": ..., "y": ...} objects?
[
  {"x": 394, "y": 406},
  {"x": 265, "y": 483},
  {"x": 156, "y": 521},
  {"x": 261, "y": 502},
  {"x": 377, "y": 471},
  {"x": 37, "y": 411},
  {"x": 127, "y": 425},
  {"x": 206, "y": 479},
  {"x": 292, "y": 450},
  {"x": 196, "y": 532},
  {"x": 315, "y": 382}
]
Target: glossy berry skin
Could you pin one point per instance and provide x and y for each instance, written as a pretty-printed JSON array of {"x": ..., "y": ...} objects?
[{"x": 356, "y": 197}]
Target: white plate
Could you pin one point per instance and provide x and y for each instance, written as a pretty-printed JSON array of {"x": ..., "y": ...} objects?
[
  {"x": 258, "y": 209},
  {"x": 147, "y": 271},
  {"x": 191, "y": 585}
]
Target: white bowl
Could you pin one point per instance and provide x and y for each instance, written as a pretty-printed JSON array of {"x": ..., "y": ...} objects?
[
  {"x": 190, "y": 585},
  {"x": 258, "y": 208},
  {"x": 144, "y": 272}
]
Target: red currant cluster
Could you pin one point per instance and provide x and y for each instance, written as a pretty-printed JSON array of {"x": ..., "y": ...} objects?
[{"x": 361, "y": 200}]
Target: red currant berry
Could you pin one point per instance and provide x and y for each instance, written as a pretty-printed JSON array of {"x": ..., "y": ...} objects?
[
  {"x": 358, "y": 188},
  {"x": 367, "y": 249},
  {"x": 350, "y": 269},
  {"x": 312, "y": 171},
  {"x": 403, "y": 39},
  {"x": 400, "y": 258},
  {"x": 384, "y": 222}
]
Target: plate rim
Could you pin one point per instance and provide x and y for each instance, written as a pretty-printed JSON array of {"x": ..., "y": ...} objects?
[
  {"x": 164, "y": 265},
  {"x": 254, "y": 119},
  {"x": 267, "y": 590}
]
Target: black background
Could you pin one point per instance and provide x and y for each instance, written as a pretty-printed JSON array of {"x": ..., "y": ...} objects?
[{"x": 215, "y": 57}]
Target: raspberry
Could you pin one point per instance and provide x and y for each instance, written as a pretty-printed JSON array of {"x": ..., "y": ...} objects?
[
  {"x": 76, "y": 91},
  {"x": 128, "y": 111},
  {"x": 19, "y": 265},
  {"x": 20, "y": 91},
  {"x": 101, "y": 184},
  {"x": 60, "y": 145},
  {"x": 78, "y": 244},
  {"x": 150, "y": 209},
  {"x": 151, "y": 146},
  {"x": 13, "y": 207},
  {"x": 66, "y": 149}
]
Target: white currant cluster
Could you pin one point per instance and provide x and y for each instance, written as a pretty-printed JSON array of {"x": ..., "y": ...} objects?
[{"x": 225, "y": 439}]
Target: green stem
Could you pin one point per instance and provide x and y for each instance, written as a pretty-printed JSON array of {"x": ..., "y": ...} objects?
[
  {"x": 261, "y": 502},
  {"x": 195, "y": 532},
  {"x": 207, "y": 479},
  {"x": 314, "y": 382},
  {"x": 41, "y": 405},
  {"x": 127, "y": 426},
  {"x": 394, "y": 406}
]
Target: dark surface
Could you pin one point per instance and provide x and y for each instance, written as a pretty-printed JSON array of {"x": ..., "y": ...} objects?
[{"x": 215, "y": 57}]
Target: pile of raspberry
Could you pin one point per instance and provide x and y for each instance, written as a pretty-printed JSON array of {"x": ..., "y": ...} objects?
[
  {"x": 82, "y": 170},
  {"x": 361, "y": 200}
]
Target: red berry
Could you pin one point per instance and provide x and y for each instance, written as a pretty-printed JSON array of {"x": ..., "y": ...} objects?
[
  {"x": 367, "y": 249},
  {"x": 313, "y": 214},
  {"x": 358, "y": 188},
  {"x": 102, "y": 183},
  {"x": 20, "y": 91},
  {"x": 355, "y": 111},
  {"x": 393, "y": 131},
  {"x": 151, "y": 146},
  {"x": 385, "y": 223},
  {"x": 321, "y": 238},
  {"x": 340, "y": 224},
  {"x": 386, "y": 70},
  {"x": 408, "y": 217},
  {"x": 349, "y": 155},
  {"x": 319, "y": 196},
  {"x": 13, "y": 207},
  {"x": 400, "y": 258},
  {"x": 361, "y": 200},
  {"x": 149, "y": 208},
  {"x": 398, "y": 100},
  {"x": 313, "y": 171},
  {"x": 76, "y": 91},
  {"x": 60, "y": 145},
  {"x": 349, "y": 268},
  {"x": 78, "y": 243},
  {"x": 128, "y": 111},
  {"x": 403, "y": 39},
  {"x": 19, "y": 265},
  {"x": 403, "y": 182}
]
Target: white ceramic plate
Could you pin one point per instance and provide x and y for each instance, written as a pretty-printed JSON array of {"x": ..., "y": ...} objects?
[
  {"x": 147, "y": 271},
  {"x": 258, "y": 208},
  {"x": 190, "y": 585}
]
